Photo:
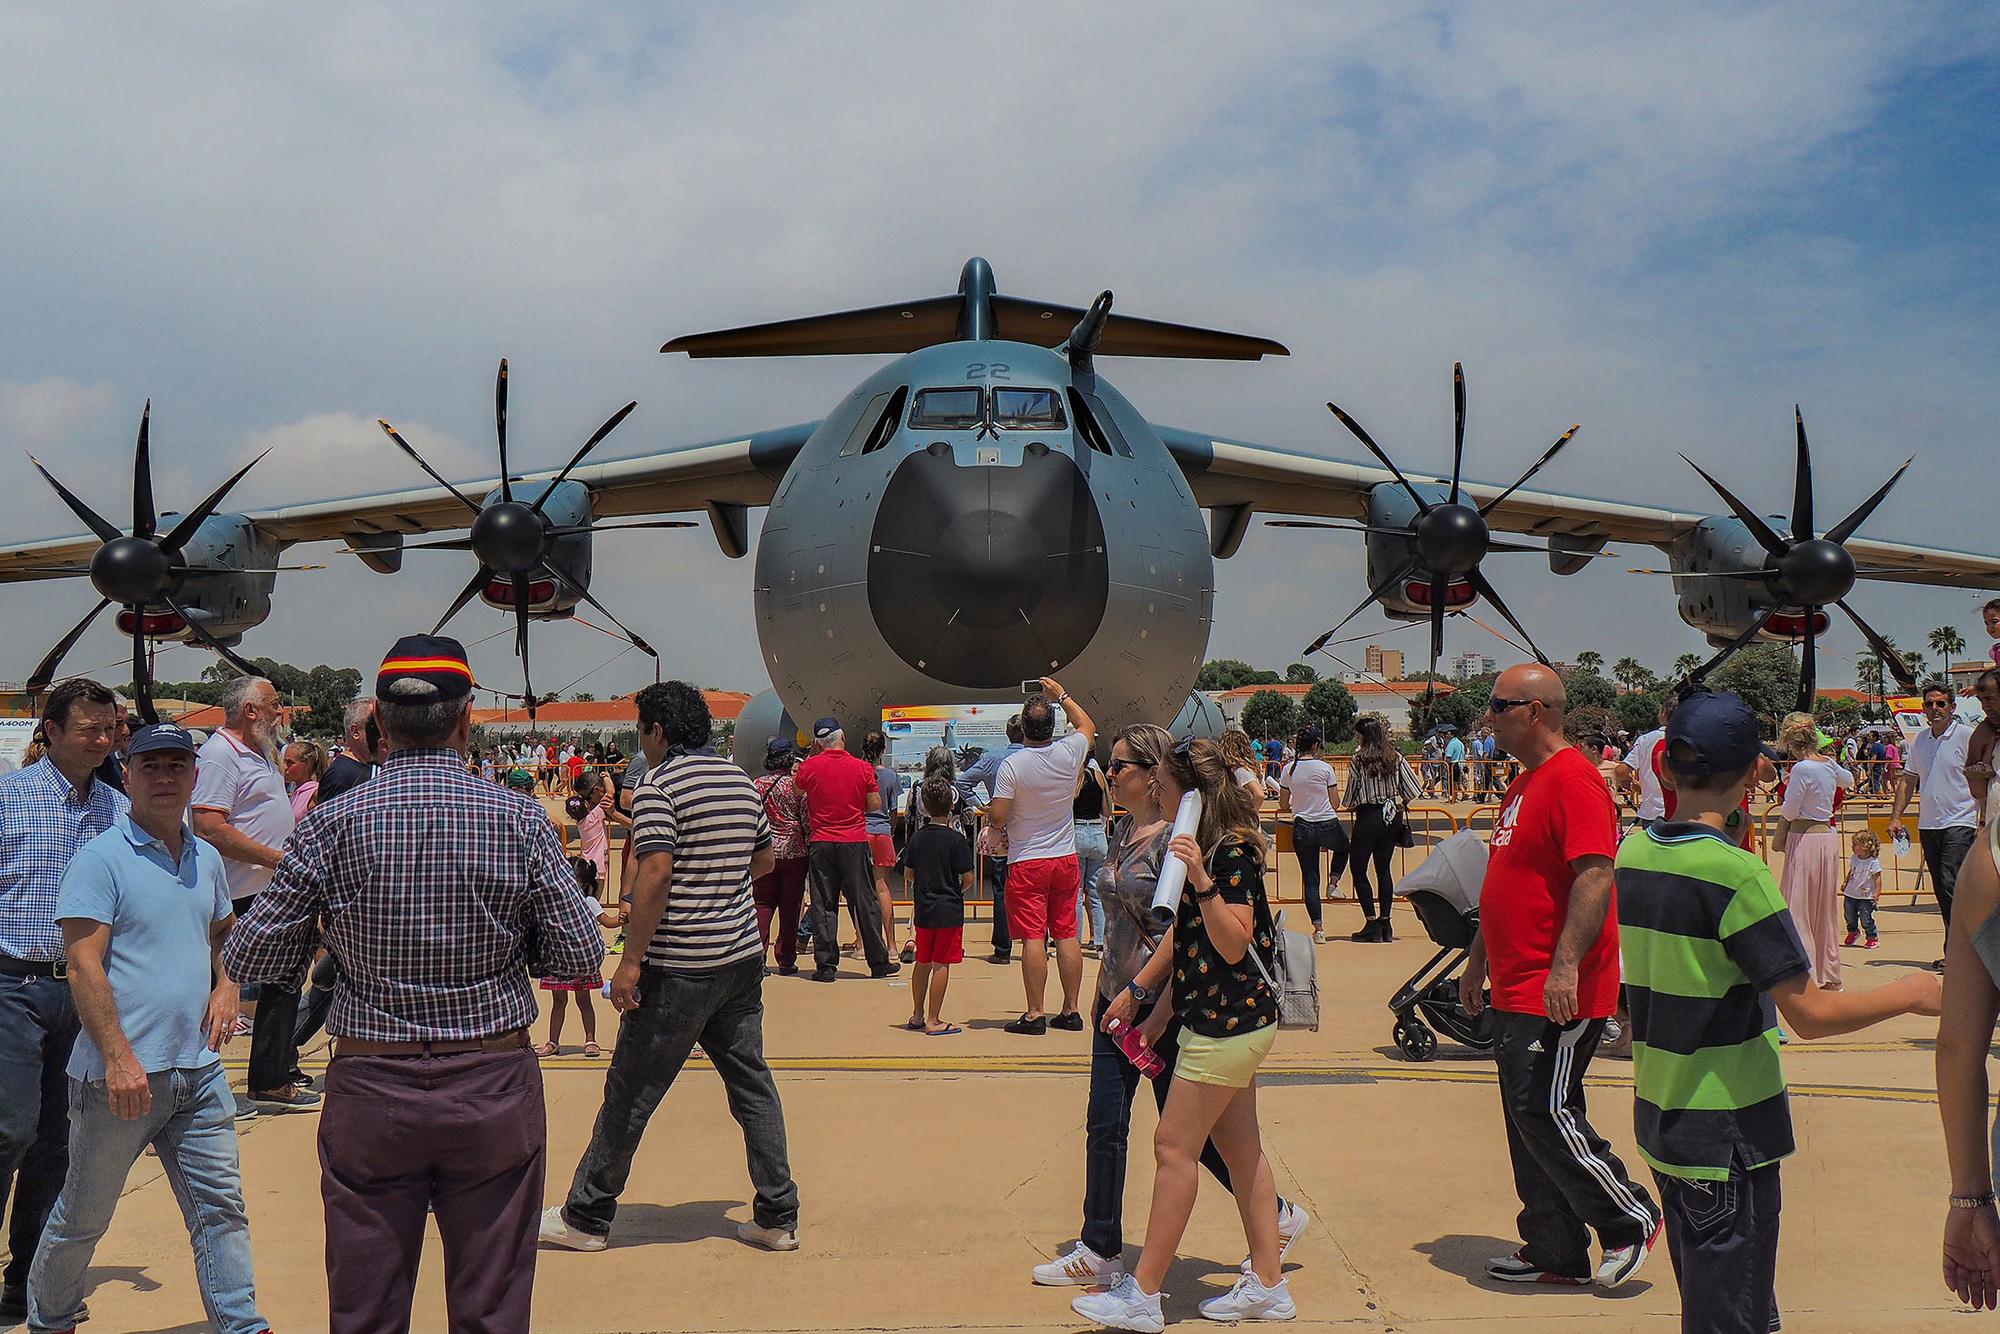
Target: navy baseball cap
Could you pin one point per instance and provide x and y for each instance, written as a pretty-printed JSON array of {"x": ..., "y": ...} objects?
[
  {"x": 778, "y": 747},
  {"x": 825, "y": 727},
  {"x": 161, "y": 736},
  {"x": 1713, "y": 732}
]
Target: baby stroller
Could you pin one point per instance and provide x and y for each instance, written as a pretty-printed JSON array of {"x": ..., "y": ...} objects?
[{"x": 1444, "y": 894}]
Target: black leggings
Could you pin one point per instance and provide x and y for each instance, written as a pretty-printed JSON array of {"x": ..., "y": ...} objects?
[{"x": 1374, "y": 843}]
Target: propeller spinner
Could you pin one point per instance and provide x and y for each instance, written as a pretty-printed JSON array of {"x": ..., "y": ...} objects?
[
  {"x": 514, "y": 539},
  {"x": 142, "y": 571}
]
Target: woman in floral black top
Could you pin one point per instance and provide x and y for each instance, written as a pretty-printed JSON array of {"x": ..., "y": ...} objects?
[{"x": 1229, "y": 1015}]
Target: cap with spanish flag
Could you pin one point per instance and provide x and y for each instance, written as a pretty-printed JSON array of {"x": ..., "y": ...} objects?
[{"x": 423, "y": 669}]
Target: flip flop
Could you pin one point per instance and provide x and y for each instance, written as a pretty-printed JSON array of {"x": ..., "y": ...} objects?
[
  {"x": 914, "y": 1025},
  {"x": 944, "y": 1032}
]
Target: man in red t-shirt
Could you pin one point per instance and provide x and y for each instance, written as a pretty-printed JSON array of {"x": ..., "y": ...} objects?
[
  {"x": 840, "y": 789},
  {"x": 1548, "y": 939}
]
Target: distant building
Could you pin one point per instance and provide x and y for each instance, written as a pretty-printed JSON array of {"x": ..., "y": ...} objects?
[
  {"x": 1965, "y": 675},
  {"x": 605, "y": 716},
  {"x": 1386, "y": 663},
  {"x": 1472, "y": 664}
]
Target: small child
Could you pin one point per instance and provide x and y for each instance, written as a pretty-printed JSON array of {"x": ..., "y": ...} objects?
[
  {"x": 1864, "y": 886},
  {"x": 1711, "y": 955},
  {"x": 562, "y": 988},
  {"x": 939, "y": 862}
]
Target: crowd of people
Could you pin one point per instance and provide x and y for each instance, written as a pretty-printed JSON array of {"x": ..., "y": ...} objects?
[{"x": 423, "y": 896}]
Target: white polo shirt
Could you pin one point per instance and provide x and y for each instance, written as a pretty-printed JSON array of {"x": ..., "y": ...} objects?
[
  {"x": 1944, "y": 800},
  {"x": 250, "y": 790}
]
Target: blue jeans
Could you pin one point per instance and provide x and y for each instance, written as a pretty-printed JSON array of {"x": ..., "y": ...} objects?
[
  {"x": 1092, "y": 850},
  {"x": 37, "y": 1028},
  {"x": 723, "y": 1009},
  {"x": 192, "y": 1124}
]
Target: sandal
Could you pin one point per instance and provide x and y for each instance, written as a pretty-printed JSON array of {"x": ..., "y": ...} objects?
[
  {"x": 591, "y": 1049},
  {"x": 547, "y": 1049},
  {"x": 914, "y": 1025}
]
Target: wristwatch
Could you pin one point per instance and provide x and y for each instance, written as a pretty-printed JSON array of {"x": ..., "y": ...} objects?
[{"x": 1139, "y": 993}]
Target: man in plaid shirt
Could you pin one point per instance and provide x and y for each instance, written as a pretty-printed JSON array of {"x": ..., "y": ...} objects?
[
  {"x": 441, "y": 896},
  {"x": 47, "y": 811}
]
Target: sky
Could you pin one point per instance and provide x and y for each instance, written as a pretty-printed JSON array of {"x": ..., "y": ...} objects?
[{"x": 1669, "y": 225}]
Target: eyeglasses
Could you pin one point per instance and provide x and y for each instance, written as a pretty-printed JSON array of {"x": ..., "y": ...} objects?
[
  {"x": 1498, "y": 705},
  {"x": 1117, "y": 767}
]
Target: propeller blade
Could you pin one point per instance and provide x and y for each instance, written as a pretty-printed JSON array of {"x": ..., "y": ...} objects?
[
  {"x": 1458, "y": 425},
  {"x": 1486, "y": 590},
  {"x": 597, "y": 437},
  {"x": 200, "y": 632},
  {"x": 1437, "y": 649},
  {"x": 91, "y": 518},
  {"x": 1708, "y": 574},
  {"x": 1802, "y": 487},
  {"x": 1845, "y": 529},
  {"x": 142, "y": 676},
  {"x": 1536, "y": 467},
  {"x": 1423, "y": 506},
  {"x": 221, "y": 571},
  {"x": 1766, "y": 538},
  {"x": 1373, "y": 594},
  {"x": 465, "y": 595},
  {"x": 572, "y": 529},
  {"x": 584, "y": 594},
  {"x": 500, "y": 425},
  {"x": 404, "y": 445},
  {"x": 55, "y": 571},
  {"x": 1897, "y": 667},
  {"x": 1700, "y": 674},
  {"x": 1808, "y": 666},
  {"x": 521, "y": 640},
  {"x": 145, "y": 519},
  {"x": 196, "y": 517},
  {"x": 45, "y": 671}
]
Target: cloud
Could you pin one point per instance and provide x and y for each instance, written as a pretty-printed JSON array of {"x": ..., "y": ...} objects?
[
  {"x": 1662, "y": 224},
  {"x": 52, "y": 410}
]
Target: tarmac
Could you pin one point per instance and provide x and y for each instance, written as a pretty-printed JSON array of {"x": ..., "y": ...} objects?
[{"x": 935, "y": 1172}]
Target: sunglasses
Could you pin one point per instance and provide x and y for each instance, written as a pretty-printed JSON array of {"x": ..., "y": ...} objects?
[
  {"x": 1930, "y": 704},
  {"x": 1117, "y": 767},
  {"x": 1498, "y": 705}
]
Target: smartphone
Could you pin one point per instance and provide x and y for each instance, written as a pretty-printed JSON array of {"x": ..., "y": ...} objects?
[{"x": 1033, "y": 687}]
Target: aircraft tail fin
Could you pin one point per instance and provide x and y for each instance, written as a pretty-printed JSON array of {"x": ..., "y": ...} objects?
[{"x": 975, "y": 313}]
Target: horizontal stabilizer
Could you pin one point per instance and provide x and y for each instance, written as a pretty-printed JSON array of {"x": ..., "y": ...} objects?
[{"x": 910, "y": 325}]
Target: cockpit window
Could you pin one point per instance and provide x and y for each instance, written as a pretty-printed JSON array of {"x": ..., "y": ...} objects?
[
  {"x": 947, "y": 409},
  {"x": 1027, "y": 409}
]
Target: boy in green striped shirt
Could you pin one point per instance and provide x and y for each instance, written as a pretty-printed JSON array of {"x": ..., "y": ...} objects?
[{"x": 1710, "y": 954}]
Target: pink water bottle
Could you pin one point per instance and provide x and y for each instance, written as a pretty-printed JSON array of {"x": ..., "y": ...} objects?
[{"x": 1137, "y": 1050}]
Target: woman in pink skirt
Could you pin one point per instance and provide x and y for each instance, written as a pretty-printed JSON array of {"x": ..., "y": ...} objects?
[
  {"x": 592, "y": 872},
  {"x": 1812, "y": 880}
]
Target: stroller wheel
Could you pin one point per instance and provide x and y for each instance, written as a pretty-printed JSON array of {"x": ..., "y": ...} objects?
[{"x": 1414, "y": 1040}]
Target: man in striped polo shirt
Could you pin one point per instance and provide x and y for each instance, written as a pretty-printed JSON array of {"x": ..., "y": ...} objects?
[
  {"x": 1709, "y": 948},
  {"x": 692, "y": 971}
]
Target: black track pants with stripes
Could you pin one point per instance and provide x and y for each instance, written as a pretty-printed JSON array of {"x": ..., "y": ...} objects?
[{"x": 1568, "y": 1178}]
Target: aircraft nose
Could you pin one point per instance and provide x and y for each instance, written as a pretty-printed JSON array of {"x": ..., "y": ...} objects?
[{"x": 986, "y": 576}]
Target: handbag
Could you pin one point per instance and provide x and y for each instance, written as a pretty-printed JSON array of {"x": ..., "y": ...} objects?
[{"x": 1297, "y": 982}]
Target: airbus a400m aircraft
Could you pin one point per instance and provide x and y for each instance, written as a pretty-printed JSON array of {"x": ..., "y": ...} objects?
[{"x": 985, "y": 508}]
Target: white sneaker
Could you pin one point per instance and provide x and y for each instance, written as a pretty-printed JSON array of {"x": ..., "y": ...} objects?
[
  {"x": 1081, "y": 1267},
  {"x": 770, "y": 1238},
  {"x": 1251, "y": 1300},
  {"x": 1621, "y": 1264},
  {"x": 556, "y": 1231},
  {"x": 1123, "y": 1306},
  {"x": 1293, "y": 1220}
]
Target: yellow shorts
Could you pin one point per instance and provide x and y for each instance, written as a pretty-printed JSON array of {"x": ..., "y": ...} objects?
[{"x": 1231, "y": 1062}]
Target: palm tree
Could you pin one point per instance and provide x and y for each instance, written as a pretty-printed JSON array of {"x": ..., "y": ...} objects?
[
  {"x": 1686, "y": 663},
  {"x": 1590, "y": 660},
  {"x": 1947, "y": 643},
  {"x": 1631, "y": 673}
]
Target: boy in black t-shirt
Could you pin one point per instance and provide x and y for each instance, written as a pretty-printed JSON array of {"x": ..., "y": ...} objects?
[{"x": 939, "y": 862}]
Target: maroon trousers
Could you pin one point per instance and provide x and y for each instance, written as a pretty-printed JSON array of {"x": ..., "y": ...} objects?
[
  {"x": 461, "y": 1136},
  {"x": 782, "y": 892}
]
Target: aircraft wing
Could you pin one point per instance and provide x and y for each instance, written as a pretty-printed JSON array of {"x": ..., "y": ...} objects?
[
  {"x": 1238, "y": 479},
  {"x": 722, "y": 476}
]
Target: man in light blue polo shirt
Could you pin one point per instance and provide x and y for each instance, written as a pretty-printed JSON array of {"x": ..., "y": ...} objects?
[{"x": 144, "y": 907}]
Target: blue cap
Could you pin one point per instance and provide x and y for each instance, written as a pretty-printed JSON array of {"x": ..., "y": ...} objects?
[
  {"x": 778, "y": 747},
  {"x": 825, "y": 727},
  {"x": 1711, "y": 733},
  {"x": 161, "y": 736}
]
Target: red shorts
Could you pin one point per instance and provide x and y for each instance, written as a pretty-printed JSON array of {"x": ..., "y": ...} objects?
[
  {"x": 941, "y": 944},
  {"x": 1041, "y": 898},
  {"x": 883, "y": 847}
]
